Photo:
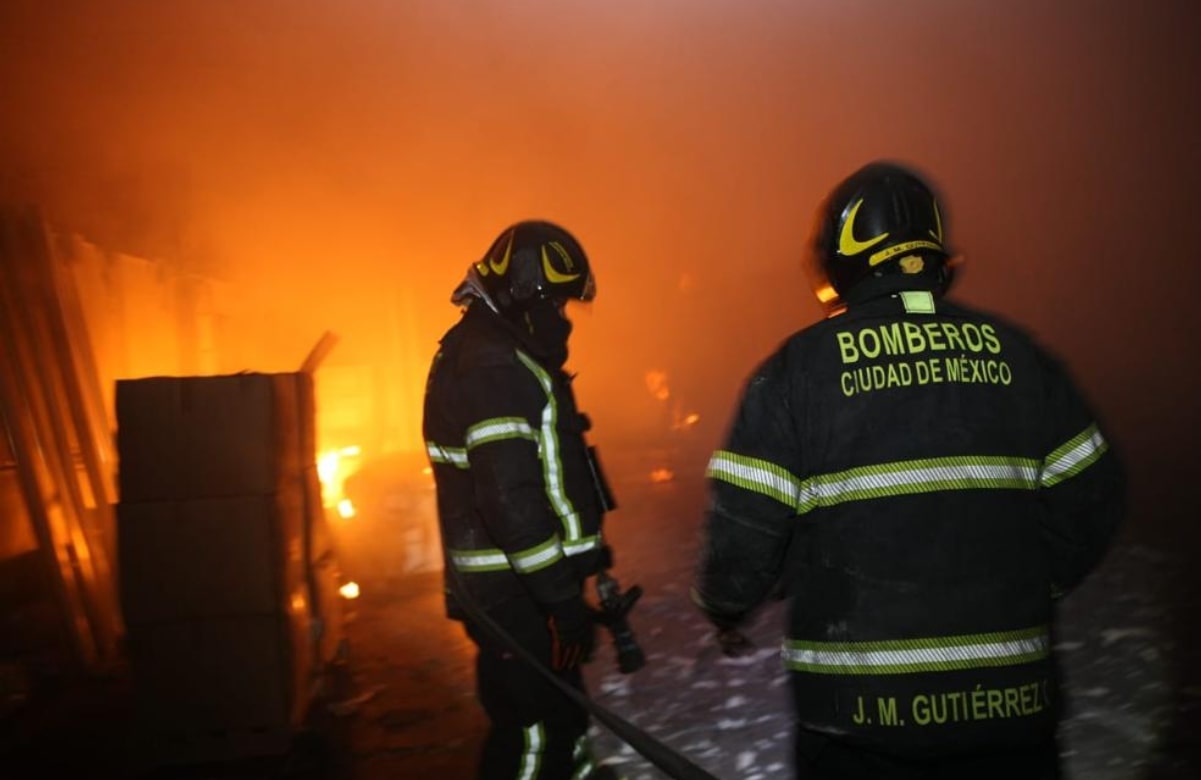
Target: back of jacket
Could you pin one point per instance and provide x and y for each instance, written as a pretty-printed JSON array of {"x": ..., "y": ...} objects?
[
  {"x": 921, "y": 479},
  {"x": 518, "y": 513}
]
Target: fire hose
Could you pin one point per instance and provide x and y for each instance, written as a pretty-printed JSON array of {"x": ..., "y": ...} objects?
[{"x": 665, "y": 758}]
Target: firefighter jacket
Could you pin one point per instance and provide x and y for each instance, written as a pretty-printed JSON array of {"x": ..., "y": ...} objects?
[
  {"x": 920, "y": 480},
  {"x": 518, "y": 512}
]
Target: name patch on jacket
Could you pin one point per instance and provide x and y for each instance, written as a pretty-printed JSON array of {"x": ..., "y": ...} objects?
[
  {"x": 975, "y": 356},
  {"x": 944, "y": 707}
]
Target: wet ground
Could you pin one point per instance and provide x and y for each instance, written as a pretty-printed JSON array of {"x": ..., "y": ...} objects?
[{"x": 405, "y": 708}]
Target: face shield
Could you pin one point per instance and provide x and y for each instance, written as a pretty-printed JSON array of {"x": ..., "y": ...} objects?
[{"x": 589, "y": 291}]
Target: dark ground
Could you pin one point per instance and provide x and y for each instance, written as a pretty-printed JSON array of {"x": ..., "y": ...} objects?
[{"x": 404, "y": 706}]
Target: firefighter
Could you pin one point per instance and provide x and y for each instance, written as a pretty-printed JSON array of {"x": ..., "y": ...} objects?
[
  {"x": 922, "y": 482},
  {"x": 519, "y": 516}
]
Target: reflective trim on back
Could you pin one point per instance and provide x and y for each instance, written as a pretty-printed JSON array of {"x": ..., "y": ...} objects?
[
  {"x": 931, "y": 654},
  {"x": 928, "y": 475}
]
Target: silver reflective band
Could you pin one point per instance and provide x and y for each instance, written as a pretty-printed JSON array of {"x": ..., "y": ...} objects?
[
  {"x": 524, "y": 562},
  {"x": 889, "y": 479},
  {"x": 548, "y": 443},
  {"x": 537, "y": 558},
  {"x": 759, "y": 476},
  {"x": 581, "y": 755},
  {"x": 497, "y": 429},
  {"x": 959, "y": 472},
  {"x": 1077, "y": 454},
  {"x": 581, "y": 545},
  {"x": 531, "y": 757},
  {"x": 919, "y": 476},
  {"x": 937, "y": 654},
  {"x": 455, "y": 456},
  {"x": 478, "y": 560}
]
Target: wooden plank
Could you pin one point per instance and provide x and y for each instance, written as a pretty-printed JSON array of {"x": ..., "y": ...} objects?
[
  {"x": 23, "y": 408},
  {"x": 46, "y": 414}
]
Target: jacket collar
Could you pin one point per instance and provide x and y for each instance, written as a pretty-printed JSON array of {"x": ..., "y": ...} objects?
[
  {"x": 890, "y": 284},
  {"x": 479, "y": 314}
]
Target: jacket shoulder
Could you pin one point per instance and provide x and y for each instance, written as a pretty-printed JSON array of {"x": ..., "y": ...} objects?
[{"x": 1012, "y": 332}]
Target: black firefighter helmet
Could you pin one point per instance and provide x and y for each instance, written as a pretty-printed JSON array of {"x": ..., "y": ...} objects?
[
  {"x": 882, "y": 219},
  {"x": 531, "y": 261}
]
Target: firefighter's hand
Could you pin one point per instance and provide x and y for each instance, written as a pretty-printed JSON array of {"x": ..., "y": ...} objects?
[
  {"x": 572, "y": 631},
  {"x": 733, "y": 643}
]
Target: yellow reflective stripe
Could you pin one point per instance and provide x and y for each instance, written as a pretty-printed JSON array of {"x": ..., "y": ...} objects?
[
  {"x": 582, "y": 758},
  {"x": 927, "y": 475},
  {"x": 531, "y": 756},
  {"x": 537, "y": 557},
  {"x": 497, "y": 429},
  {"x": 931, "y": 654},
  {"x": 548, "y": 450},
  {"x": 438, "y": 453},
  {"x": 583, "y": 768},
  {"x": 1074, "y": 456},
  {"x": 478, "y": 560},
  {"x": 581, "y": 545},
  {"x": 756, "y": 475}
]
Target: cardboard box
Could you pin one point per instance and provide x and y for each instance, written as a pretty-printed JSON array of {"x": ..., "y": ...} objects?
[
  {"x": 214, "y": 557},
  {"x": 209, "y": 437},
  {"x": 221, "y": 674}
]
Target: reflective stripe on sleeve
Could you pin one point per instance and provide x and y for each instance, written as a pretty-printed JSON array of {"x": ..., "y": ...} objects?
[
  {"x": 538, "y": 557},
  {"x": 933, "y": 654},
  {"x": 758, "y": 476},
  {"x": 498, "y": 429},
  {"x": 478, "y": 560},
  {"x": 582, "y": 545},
  {"x": 454, "y": 456},
  {"x": 1077, "y": 454},
  {"x": 524, "y": 562}
]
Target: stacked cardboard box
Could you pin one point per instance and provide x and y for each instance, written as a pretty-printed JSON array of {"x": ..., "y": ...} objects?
[{"x": 219, "y": 500}]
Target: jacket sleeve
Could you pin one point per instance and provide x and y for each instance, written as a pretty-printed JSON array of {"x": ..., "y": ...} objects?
[
  {"x": 1082, "y": 483},
  {"x": 503, "y": 445},
  {"x": 753, "y": 494}
]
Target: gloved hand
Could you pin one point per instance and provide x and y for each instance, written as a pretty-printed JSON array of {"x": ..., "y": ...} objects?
[
  {"x": 573, "y": 632},
  {"x": 733, "y": 643}
]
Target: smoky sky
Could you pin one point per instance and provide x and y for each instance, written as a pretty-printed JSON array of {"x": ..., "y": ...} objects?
[{"x": 332, "y": 157}]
